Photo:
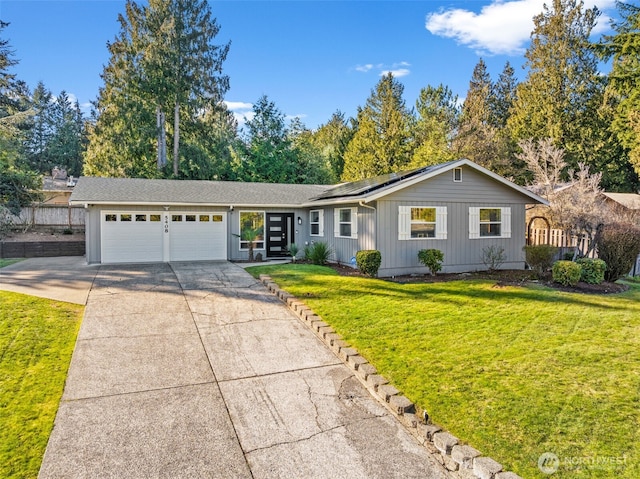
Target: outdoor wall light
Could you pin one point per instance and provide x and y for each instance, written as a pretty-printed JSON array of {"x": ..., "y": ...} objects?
[{"x": 299, "y": 220}]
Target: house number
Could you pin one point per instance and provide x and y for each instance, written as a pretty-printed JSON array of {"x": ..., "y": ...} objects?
[{"x": 166, "y": 224}]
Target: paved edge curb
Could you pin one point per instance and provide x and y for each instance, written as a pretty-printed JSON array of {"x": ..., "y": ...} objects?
[{"x": 463, "y": 460}]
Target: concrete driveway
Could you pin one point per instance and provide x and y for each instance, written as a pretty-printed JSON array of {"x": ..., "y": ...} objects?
[{"x": 195, "y": 370}]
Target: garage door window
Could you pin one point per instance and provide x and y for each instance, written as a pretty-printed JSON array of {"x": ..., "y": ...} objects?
[
  {"x": 141, "y": 217},
  {"x": 111, "y": 217},
  {"x": 154, "y": 217},
  {"x": 126, "y": 217},
  {"x": 217, "y": 218},
  {"x": 204, "y": 218},
  {"x": 190, "y": 218},
  {"x": 176, "y": 218}
]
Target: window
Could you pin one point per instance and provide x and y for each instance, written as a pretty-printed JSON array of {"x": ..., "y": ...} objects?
[
  {"x": 126, "y": 217},
  {"x": 154, "y": 218},
  {"x": 111, "y": 217},
  {"x": 316, "y": 222},
  {"x": 457, "y": 175},
  {"x": 345, "y": 222},
  {"x": 217, "y": 218},
  {"x": 422, "y": 222},
  {"x": 251, "y": 229},
  {"x": 176, "y": 217},
  {"x": 141, "y": 217},
  {"x": 489, "y": 222},
  {"x": 204, "y": 218},
  {"x": 191, "y": 218}
]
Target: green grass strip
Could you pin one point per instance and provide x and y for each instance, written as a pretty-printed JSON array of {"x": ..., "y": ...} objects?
[
  {"x": 513, "y": 371},
  {"x": 37, "y": 337}
]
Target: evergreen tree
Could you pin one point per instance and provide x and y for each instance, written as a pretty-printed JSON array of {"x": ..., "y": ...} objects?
[
  {"x": 477, "y": 138},
  {"x": 436, "y": 126},
  {"x": 562, "y": 91},
  {"x": 164, "y": 72},
  {"x": 382, "y": 142},
  {"x": 41, "y": 129},
  {"x": 266, "y": 154},
  {"x": 503, "y": 95},
  {"x": 332, "y": 139},
  {"x": 64, "y": 147},
  {"x": 623, "y": 48}
]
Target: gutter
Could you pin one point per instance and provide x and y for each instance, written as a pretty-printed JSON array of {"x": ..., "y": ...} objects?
[{"x": 361, "y": 203}]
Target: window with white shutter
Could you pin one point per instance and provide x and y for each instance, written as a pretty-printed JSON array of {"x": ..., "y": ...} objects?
[
  {"x": 422, "y": 222},
  {"x": 345, "y": 222},
  {"x": 489, "y": 222}
]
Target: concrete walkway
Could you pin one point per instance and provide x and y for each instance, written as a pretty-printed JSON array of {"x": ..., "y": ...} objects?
[{"x": 195, "y": 370}]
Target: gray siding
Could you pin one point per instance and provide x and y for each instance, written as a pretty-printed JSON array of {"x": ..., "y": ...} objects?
[
  {"x": 460, "y": 253},
  {"x": 474, "y": 188},
  {"x": 346, "y": 248}
]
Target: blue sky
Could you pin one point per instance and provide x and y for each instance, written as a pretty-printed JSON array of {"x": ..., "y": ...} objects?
[{"x": 311, "y": 57}]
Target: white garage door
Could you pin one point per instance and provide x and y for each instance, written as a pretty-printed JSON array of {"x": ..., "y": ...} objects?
[
  {"x": 147, "y": 237},
  {"x": 131, "y": 237},
  {"x": 198, "y": 236}
]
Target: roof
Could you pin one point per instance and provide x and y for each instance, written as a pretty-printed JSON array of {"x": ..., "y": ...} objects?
[
  {"x": 380, "y": 186},
  {"x": 628, "y": 200},
  {"x": 369, "y": 185},
  {"x": 139, "y": 191}
]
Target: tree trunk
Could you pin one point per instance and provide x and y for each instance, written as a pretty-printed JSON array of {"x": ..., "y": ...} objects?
[
  {"x": 162, "y": 138},
  {"x": 176, "y": 138}
]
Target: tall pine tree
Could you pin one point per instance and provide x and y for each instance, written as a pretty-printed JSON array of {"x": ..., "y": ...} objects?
[
  {"x": 562, "y": 91},
  {"x": 623, "y": 90},
  {"x": 164, "y": 75},
  {"x": 382, "y": 141}
]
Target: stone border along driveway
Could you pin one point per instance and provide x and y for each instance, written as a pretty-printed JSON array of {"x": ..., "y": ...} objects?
[{"x": 465, "y": 460}]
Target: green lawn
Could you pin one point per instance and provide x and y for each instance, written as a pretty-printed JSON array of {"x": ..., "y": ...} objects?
[
  {"x": 37, "y": 337},
  {"x": 513, "y": 371},
  {"x": 7, "y": 262}
]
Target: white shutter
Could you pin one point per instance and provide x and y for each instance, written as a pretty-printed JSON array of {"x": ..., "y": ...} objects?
[
  {"x": 336, "y": 222},
  {"x": 354, "y": 222},
  {"x": 404, "y": 222},
  {"x": 321, "y": 222},
  {"x": 474, "y": 222},
  {"x": 441, "y": 222},
  {"x": 506, "y": 222}
]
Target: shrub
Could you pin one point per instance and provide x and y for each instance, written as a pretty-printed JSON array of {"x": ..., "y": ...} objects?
[
  {"x": 293, "y": 251},
  {"x": 318, "y": 253},
  {"x": 566, "y": 273},
  {"x": 540, "y": 258},
  {"x": 431, "y": 258},
  {"x": 592, "y": 270},
  {"x": 368, "y": 261},
  {"x": 493, "y": 256},
  {"x": 618, "y": 246}
]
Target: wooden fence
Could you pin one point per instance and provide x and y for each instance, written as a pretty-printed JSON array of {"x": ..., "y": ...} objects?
[{"x": 54, "y": 216}]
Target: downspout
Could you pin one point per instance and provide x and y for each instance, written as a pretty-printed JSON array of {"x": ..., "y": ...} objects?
[{"x": 361, "y": 203}]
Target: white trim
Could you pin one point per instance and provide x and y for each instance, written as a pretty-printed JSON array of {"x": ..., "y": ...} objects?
[
  {"x": 353, "y": 222},
  {"x": 474, "y": 222},
  {"x": 320, "y": 222}
]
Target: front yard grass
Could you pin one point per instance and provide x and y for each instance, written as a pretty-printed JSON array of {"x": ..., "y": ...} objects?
[
  {"x": 37, "y": 338},
  {"x": 513, "y": 371}
]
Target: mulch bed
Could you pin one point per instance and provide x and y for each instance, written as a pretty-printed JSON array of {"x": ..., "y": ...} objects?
[{"x": 502, "y": 278}]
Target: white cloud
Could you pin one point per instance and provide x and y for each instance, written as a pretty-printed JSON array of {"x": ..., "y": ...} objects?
[
  {"x": 502, "y": 27},
  {"x": 238, "y": 105},
  {"x": 364, "y": 68},
  {"x": 400, "y": 72},
  {"x": 242, "y": 111},
  {"x": 399, "y": 69}
]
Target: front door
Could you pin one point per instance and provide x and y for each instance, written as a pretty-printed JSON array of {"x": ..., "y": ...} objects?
[{"x": 279, "y": 233}]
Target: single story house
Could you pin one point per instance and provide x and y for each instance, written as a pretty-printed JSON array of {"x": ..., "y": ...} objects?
[{"x": 457, "y": 207}]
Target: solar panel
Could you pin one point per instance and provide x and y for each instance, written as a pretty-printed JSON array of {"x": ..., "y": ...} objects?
[{"x": 356, "y": 188}]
